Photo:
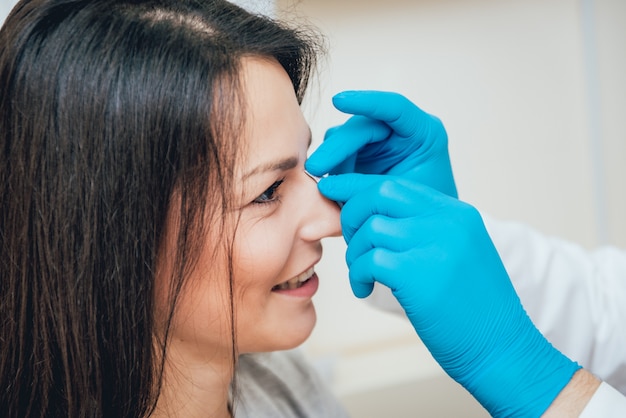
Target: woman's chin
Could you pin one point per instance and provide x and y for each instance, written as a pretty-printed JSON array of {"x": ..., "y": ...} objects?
[{"x": 284, "y": 337}]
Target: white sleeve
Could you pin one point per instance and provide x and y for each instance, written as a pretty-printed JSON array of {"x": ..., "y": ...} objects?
[
  {"x": 575, "y": 297},
  {"x": 606, "y": 403}
]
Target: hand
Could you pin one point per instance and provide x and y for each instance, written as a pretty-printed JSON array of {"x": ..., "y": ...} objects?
[
  {"x": 435, "y": 255},
  {"x": 387, "y": 135}
]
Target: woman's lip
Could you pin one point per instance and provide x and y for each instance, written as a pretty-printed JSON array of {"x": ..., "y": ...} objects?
[
  {"x": 307, "y": 290},
  {"x": 310, "y": 267}
]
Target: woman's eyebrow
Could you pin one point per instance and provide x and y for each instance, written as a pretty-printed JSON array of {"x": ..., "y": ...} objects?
[{"x": 279, "y": 165}]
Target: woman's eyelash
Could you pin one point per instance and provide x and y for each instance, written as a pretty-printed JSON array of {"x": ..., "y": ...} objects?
[{"x": 269, "y": 195}]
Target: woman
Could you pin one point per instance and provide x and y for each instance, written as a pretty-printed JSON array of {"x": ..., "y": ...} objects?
[{"x": 156, "y": 221}]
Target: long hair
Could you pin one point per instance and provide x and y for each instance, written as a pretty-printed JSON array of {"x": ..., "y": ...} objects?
[{"x": 107, "y": 109}]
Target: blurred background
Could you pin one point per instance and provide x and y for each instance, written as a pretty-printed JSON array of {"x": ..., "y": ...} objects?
[{"x": 533, "y": 96}]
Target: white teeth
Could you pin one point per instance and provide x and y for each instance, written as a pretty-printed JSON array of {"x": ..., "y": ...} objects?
[
  {"x": 303, "y": 277},
  {"x": 296, "y": 282}
]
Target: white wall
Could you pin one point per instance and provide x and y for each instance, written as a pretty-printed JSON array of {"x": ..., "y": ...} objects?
[
  {"x": 5, "y": 8},
  {"x": 266, "y": 7},
  {"x": 509, "y": 80},
  {"x": 533, "y": 95}
]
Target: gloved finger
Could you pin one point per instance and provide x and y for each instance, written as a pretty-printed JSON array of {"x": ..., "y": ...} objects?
[
  {"x": 396, "y": 235},
  {"x": 367, "y": 195},
  {"x": 342, "y": 187},
  {"x": 348, "y": 165},
  {"x": 345, "y": 166},
  {"x": 342, "y": 143},
  {"x": 403, "y": 116},
  {"x": 331, "y": 131},
  {"x": 374, "y": 266}
]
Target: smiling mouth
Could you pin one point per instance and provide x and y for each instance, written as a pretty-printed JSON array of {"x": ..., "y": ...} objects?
[{"x": 296, "y": 282}]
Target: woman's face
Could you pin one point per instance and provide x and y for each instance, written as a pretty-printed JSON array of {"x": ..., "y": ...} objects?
[{"x": 282, "y": 218}]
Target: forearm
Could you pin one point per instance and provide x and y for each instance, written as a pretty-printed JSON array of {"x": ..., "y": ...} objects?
[{"x": 574, "y": 397}]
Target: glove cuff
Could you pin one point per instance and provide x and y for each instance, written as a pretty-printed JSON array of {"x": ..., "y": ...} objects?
[{"x": 525, "y": 381}]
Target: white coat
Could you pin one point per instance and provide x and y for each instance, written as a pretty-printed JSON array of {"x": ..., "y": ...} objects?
[{"x": 576, "y": 298}]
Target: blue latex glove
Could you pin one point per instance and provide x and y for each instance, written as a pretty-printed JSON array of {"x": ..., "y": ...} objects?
[
  {"x": 387, "y": 135},
  {"x": 437, "y": 258}
]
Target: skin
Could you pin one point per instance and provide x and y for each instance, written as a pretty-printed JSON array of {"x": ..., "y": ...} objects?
[
  {"x": 574, "y": 397},
  {"x": 282, "y": 218}
]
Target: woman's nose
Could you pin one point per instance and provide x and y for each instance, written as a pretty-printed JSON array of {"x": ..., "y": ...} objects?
[{"x": 322, "y": 214}]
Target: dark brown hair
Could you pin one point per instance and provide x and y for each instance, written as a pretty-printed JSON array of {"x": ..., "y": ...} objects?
[{"x": 108, "y": 108}]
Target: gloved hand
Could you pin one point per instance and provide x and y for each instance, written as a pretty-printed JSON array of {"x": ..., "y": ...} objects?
[
  {"x": 387, "y": 135},
  {"x": 436, "y": 256}
]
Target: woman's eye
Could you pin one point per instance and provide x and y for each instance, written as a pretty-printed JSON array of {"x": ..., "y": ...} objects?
[{"x": 269, "y": 195}]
